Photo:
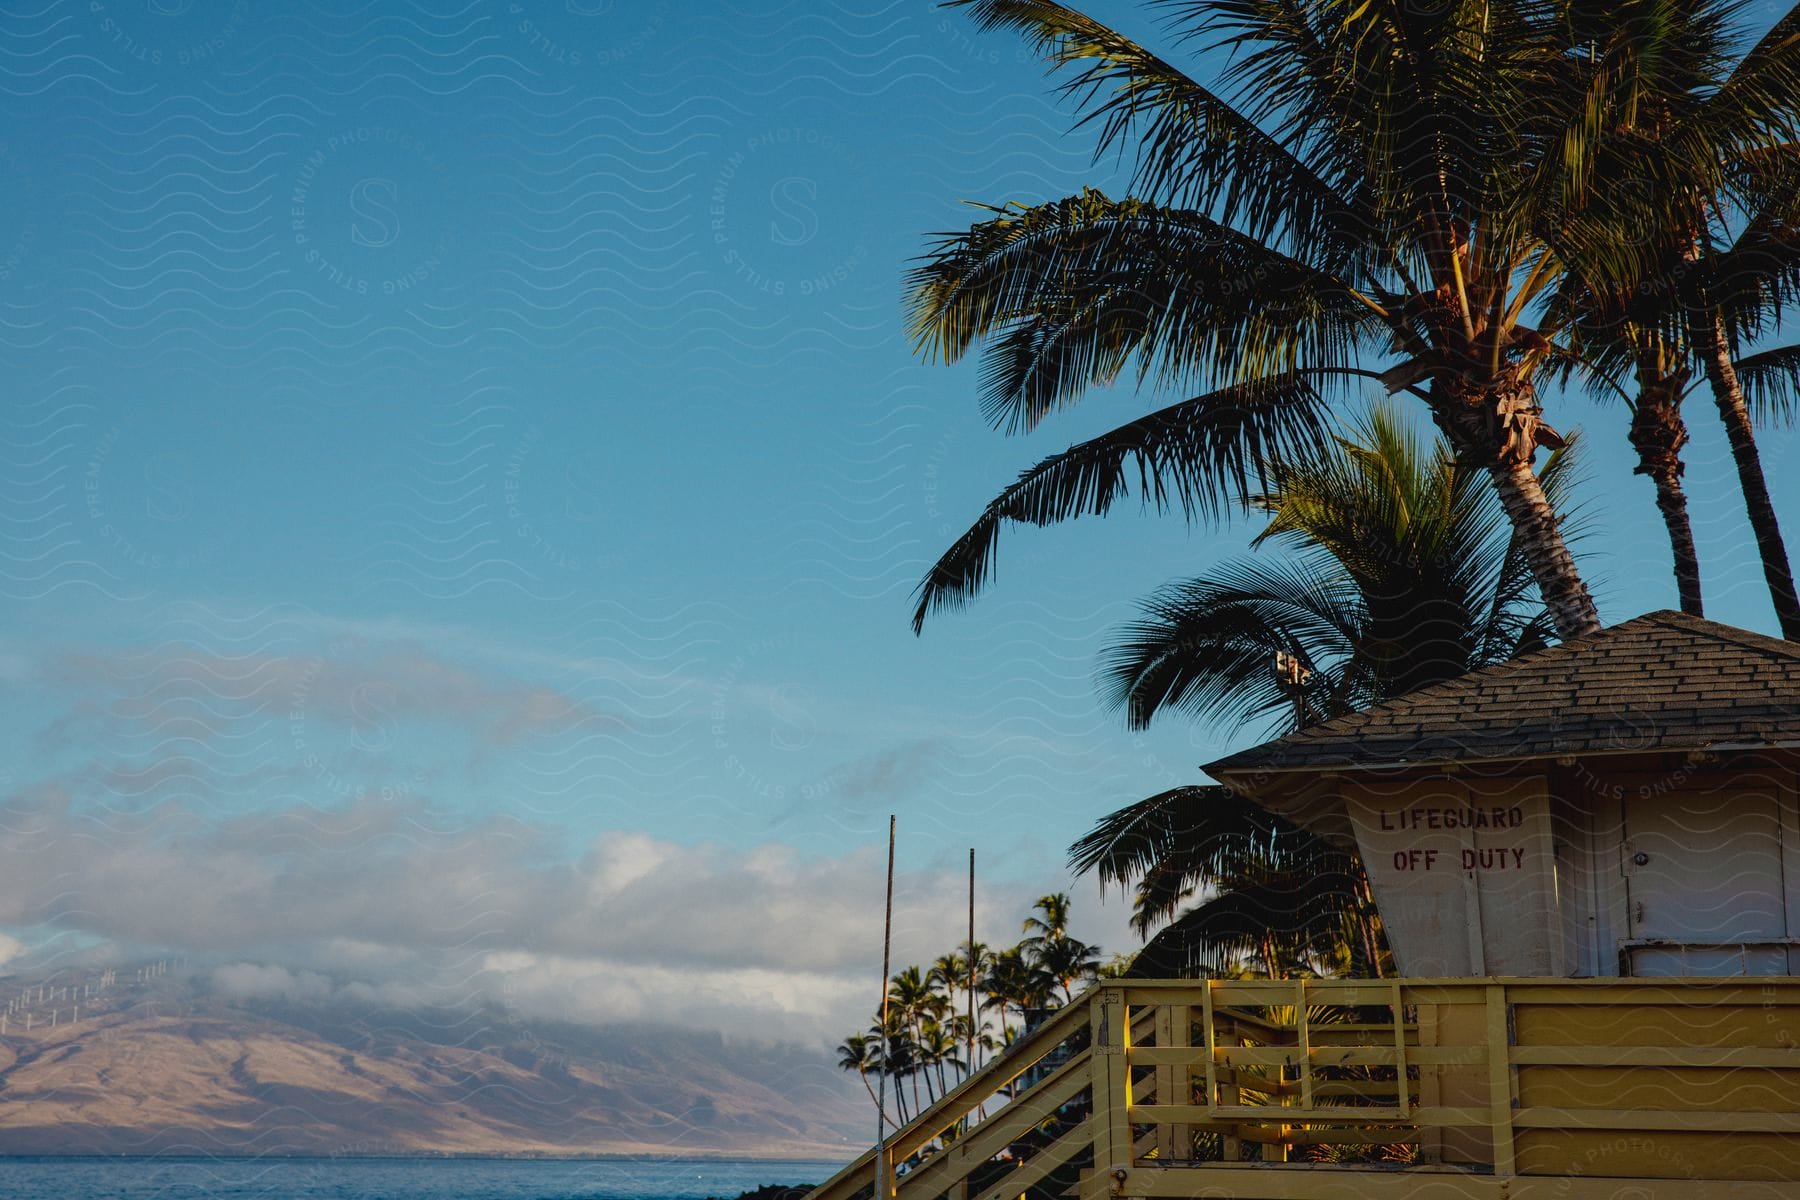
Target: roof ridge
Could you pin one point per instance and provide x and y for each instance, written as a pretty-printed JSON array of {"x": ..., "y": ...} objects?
[
  {"x": 1725, "y": 633},
  {"x": 1465, "y": 681},
  {"x": 1699, "y": 648}
]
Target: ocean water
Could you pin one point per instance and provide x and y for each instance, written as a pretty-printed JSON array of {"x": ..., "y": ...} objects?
[{"x": 396, "y": 1178}]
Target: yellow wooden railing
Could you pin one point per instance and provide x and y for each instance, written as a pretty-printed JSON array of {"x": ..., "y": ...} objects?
[
  {"x": 947, "y": 1143},
  {"x": 1522, "y": 1089}
]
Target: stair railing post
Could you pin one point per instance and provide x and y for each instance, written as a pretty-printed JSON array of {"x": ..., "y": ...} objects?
[
  {"x": 1109, "y": 1034},
  {"x": 1174, "y": 1082},
  {"x": 1500, "y": 1082}
]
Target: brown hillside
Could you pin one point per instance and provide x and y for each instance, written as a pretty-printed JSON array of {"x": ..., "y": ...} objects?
[{"x": 157, "y": 1073}]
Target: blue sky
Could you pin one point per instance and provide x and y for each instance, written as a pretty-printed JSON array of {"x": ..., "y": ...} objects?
[{"x": 466, "y": 476}]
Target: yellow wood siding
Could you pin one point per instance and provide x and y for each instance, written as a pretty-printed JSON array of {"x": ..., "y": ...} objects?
[{"x": 1503, "y": 1088}]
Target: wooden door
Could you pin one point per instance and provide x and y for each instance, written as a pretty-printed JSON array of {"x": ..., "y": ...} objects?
[{"x": 1705, "y": 893}]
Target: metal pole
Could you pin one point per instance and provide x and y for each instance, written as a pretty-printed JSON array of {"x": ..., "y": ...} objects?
[
  {"x": 881, "y": 1190},
  {"x": 971, "y": 952}
]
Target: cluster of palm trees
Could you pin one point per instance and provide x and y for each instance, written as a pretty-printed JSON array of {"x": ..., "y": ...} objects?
[
  {"x": 1470, "y": 203},
  {"x": 1461, "y": 201},
  {"x": 937, "y": 1032}
]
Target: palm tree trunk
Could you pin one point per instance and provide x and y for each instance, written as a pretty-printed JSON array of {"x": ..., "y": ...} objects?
[
  {"x": 899, "y": 1095},
  {"x": 1708, "y": 332},
  {"x": 1671, "y": 501},
  {"x": 1540, "y": 537},
  {"x": 921, "y": 1064},
  {"x": 1498, "y": 427},
  {"x": 1658, "y": 433},
  {"x": 917, "y": 1061}
]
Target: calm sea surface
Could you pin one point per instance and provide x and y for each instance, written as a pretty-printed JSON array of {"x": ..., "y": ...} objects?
[{"x": 394, "y": 1179}]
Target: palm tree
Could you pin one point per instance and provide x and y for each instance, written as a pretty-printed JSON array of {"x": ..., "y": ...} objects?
[
  {"x": 1384, "y": 178},
  {"x": 1712, "y": 336},
  {"x": 959, "y": 971},
  {"x": 910, "y": 999},
  {"x": 1012, "y": 982},
  {"x": 1051, "y": 921},
  {"x": 1663, "y": 376},
  {"x": 949, "y": 972},
  {"x": 1271, "y": 891},
  {"x": 1066, "y": 961},
  {"x": 858, "y": 1053},
  {"x": 1724, "y": 258},
  {"x": 1051, "y": 951},
  {"x": 938, "y": 1045},
  {"x": 1402, "y": 572},
  {"x": 1621, "y": 355},
  {"x": 898, "y": 1057}
]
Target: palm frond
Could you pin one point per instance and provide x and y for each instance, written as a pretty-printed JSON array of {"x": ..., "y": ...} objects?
[
  {"x": 1206, "y": 646},
  {"x": 1417, "y": 110},
  {"x": 1771, "y": 383},
  {"x": 1198, "y": 837},
  {"x": 1756, "y": 277},
  {"x": 1201, "y": 456},
  {"x": 1073, "y": 290},
  {"x": 1190, "y": 145},
  {"x": 1760, "y": 99},
  {"x": 1125, "y": 844},
  {"x": 1302, "y": 910}
]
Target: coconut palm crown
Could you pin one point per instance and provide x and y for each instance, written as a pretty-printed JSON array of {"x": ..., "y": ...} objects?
[
  {"x": 1399, "y": 571},
  {"x": 1387, "y": 185}
]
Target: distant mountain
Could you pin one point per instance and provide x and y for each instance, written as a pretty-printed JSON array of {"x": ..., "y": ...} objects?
[{"x": 163, "y": 1067}]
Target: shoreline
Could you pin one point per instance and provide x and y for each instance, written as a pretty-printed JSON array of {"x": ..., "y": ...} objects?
[{"x": 439, "y": 1156}]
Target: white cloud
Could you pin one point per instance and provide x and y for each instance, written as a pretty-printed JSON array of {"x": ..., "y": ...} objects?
[
  {"x": 772, "y": 1005},
  {"x": 257, "y": 981},
  {"x": 751, "y": 941},
  {"x": 366, "y": 688}
]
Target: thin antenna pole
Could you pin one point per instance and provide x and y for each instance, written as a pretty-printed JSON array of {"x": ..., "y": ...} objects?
[
  {"x": 971, "y": 952},
  {"x": 882, "y": 1190}
]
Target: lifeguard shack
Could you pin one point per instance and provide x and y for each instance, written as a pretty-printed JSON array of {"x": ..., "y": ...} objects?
[
  {"x": 1587, "y": 862},
  {"x": 1623, "y": 805}
]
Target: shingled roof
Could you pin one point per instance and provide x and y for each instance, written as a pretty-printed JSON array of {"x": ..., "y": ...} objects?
[{"x": 1663, "y": 681}]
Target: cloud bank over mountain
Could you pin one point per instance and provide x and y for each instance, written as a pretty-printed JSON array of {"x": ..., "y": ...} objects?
[
  {"x": 306, "y": 804},
  {"x": 250, "y": 1059},
  {"x": 426, "y": 911}
]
